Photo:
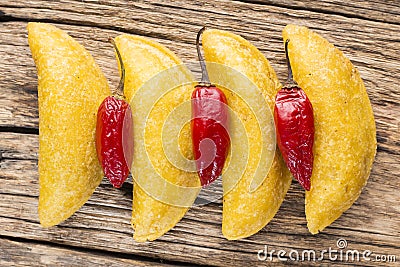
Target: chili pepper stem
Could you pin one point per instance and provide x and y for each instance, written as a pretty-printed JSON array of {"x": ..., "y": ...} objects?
[
  {"x": 119, "y": 92},
  {"x": 290, "y": 83},
  {"x": 205, "y": 80}
]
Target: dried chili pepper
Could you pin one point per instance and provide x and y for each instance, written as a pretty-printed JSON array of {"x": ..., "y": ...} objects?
[
  {"x": 114, "y": 133},
  {"x": 294, "y": 121},
  {"x": 210, "y": 135}
]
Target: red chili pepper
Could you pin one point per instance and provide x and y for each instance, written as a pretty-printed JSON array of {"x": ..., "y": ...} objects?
[
  {"x": 209, "y": 124},
  {"x": 294, "y": 121},
  {"x": 114, "y": 133}
]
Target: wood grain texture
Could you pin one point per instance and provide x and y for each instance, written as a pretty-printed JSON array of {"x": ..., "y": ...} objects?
[
  {"x": 16, "y": 253},
  {"x": 359, "y": 28},
  {"x": 377, "y": 10}
]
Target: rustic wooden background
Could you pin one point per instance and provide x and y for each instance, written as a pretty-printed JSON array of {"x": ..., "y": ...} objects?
[{"x": 100, "y": 233}]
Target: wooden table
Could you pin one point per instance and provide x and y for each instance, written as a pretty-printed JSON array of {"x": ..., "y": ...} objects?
[{"x": 100, "y": 233}]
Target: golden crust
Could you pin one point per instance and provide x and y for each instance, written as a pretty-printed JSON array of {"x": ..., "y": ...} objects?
[
  {"x": 246, "y": 212},
  {"x": 143, "y": 59},
  {"x": 70, "y": 89},
  {"x": 345, "y": 134}
]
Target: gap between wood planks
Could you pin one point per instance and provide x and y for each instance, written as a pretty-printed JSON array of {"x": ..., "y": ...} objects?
[
  {"x": 110, "y": 255},
  {"x": 17, "y": 129}
]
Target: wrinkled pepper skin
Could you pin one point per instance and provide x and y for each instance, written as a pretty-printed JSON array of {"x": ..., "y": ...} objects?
[
  {"x": 210, "y": 118},
  {"x": 294, "y": 122},
  {"x": 114, "y": 126}
]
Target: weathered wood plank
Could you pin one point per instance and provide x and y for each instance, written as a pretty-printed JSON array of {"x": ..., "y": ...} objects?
[
  {"x": 15, "y": 253},
  {"x": 359, "y": 28},
  {"x": 378, "y": 10},
  {"x": 18, "y": 98},
  {"x": 91, "y": 228},
  {"x": 103, "y": 223},
  {"x": 18, "y": 101},
  {"x": 181, "y": 17}
]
